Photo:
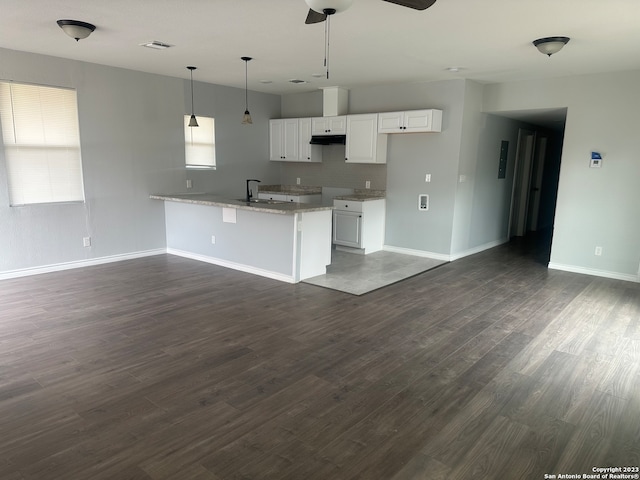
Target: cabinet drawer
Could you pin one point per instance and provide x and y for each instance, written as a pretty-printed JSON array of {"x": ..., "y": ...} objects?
[{"x": 350, "y": 206}]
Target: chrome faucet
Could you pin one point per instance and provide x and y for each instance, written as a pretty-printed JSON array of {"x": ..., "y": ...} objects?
[{"x": 249, "y": 192}]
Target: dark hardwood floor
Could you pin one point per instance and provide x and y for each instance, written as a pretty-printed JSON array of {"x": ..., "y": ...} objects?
[{"x": 165, "y": 368}]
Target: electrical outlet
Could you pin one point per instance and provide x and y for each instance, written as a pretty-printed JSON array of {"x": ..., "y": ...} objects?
[
  {"x": 213, "y": 239},
  {"x": 86, "y": 241},
  {"x": 598, "y": 251},
  {"x": 189, "y": 184},
  {"x": 427, "y": 177},
  {"x": 367, "y": 184},
  {"x": 298, "y": 181}
]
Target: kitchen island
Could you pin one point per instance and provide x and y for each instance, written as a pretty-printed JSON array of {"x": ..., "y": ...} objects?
[{"x": 281, "y": 240}]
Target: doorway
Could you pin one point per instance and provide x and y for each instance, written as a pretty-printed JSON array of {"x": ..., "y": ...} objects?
[{"x": 535, "y": 189}]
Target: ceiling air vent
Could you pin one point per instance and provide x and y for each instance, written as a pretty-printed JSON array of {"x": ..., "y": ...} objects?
[
  {"x": 156, "y": 45},
  {"x": 296, "y": 80}
]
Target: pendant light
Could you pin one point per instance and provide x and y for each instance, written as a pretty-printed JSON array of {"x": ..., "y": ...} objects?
[
  {"x": 192, "y": 121},
  {"x": 246, "y": 118}
]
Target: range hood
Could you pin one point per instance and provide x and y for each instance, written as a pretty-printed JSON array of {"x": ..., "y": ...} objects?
[
  {"x": 328, "y": 140},
  {"x": 334, "y": 103}
]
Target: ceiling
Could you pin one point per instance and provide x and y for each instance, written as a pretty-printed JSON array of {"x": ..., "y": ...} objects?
[{"x": 373, "y": 42}]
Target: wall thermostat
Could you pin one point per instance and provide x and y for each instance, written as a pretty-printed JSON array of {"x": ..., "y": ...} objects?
[
  {"x": 596, "y": 160},
  {"x": 423, "y": 202}
]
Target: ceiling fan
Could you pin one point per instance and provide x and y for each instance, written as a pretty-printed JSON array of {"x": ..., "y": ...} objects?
[{"x": 320, "y": 9}]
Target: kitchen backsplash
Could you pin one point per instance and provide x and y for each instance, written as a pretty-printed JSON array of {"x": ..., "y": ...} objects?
[{"x": 334, "y": 172}]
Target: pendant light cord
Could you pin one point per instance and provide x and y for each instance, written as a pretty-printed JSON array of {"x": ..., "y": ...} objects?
[
  {"x": 327, "y": 33},
  {"x": 192, "y": 112},
  {"x": 246, "y": 85}
]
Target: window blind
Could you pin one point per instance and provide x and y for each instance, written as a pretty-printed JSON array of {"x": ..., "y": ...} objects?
[
  {"x": 41, "y": 143},
  {"x": 200, "y": 144}
]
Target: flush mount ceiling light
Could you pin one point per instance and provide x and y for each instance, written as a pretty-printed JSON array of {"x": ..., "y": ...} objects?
[
  {"x": 76, "y": 29},
  {"x": 550, "y": 45},
  {"x": 246, "y": 118},
  {"x": 192, "y": 121}
]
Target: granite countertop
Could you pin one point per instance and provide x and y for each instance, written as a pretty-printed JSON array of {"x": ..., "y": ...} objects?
[
  {"x": 290, "y": 189},
  {"x": 211, "y": 199},
  {"x": 363, "y": 195}
]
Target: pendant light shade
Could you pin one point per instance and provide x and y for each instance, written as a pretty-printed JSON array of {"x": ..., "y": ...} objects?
[
  {"x": 192, "y": 121},
  {"x": 246, "y": 118},
  {"x": 76, "y": 29},
  {"x": 550, "y": 45}
]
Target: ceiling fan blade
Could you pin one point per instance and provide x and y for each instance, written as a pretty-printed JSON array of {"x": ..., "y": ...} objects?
[
  {"x": 315, "y": 17},
  {"x": 415, "y": 4}
]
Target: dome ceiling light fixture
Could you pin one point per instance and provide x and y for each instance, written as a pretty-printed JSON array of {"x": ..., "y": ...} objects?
[
  {"x": 550, "y": 45},
  {"x": 76, "y": 29}
]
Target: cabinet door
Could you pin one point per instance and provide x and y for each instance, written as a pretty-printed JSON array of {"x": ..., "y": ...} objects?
[
  {"x": 308, "y": 152},
  {"x": 338, "y": 125},
  {"x": 276, "y": 135},
  {"x": 364, "y": 143},
  {"x": 418, "y": 121},
  {"x": 347, "y": 228},
  {"x": 291, "y": 145},
  {"x": 329, "y": 125},
  {"x": 390, "y": 122}
]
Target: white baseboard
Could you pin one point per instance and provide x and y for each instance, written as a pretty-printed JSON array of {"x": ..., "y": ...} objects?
[
  {"x": 594, "y": 272},
  {"x": 417, "y": 253},
  {"x": 234, "y": 266},
  {"x": 478, "y": 249},
  {"x": 444, "y": 257},
  {"x": 25, "y": 272}
]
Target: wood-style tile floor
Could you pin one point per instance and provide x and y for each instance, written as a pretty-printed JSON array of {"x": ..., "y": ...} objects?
[{"x": 490, "y": 367}]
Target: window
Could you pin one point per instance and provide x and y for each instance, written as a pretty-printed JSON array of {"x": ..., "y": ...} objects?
[
  {"x": 200, "y": 143},
  {"x": 41, "y": 143}
]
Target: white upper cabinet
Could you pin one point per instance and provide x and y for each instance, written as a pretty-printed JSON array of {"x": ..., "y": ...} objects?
[
  {"x": 329, "y": 125},
  {"x": 284, "y": 142},
  {"x": 364, "y": 143},
  {"x": 308, "y": 152},
  {"x": 412, "y": 121}
]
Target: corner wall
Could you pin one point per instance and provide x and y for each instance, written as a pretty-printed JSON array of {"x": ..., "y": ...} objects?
[
  {"x": 595, "y": 206},
  {"x": 132, "y": 145}
]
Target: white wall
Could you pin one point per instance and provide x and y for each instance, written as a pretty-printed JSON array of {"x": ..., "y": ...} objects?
[
  {"x": 596, "y": 207},
  {"x": 132, "y": 145}
]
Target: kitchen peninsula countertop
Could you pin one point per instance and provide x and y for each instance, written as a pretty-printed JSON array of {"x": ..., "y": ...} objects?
[{"x": 283, "y": 208}]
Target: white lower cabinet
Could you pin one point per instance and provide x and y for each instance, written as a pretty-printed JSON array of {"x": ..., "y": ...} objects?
[
  {"x": 359, "y": 225},
  {"x": 347, "y": 228},
  {"x": 283, "y": 197}
]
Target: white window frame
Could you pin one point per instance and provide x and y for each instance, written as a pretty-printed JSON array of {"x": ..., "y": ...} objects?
[
  {"x": 200, "y": 143},
  {"x": 41, "y": 139}
]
